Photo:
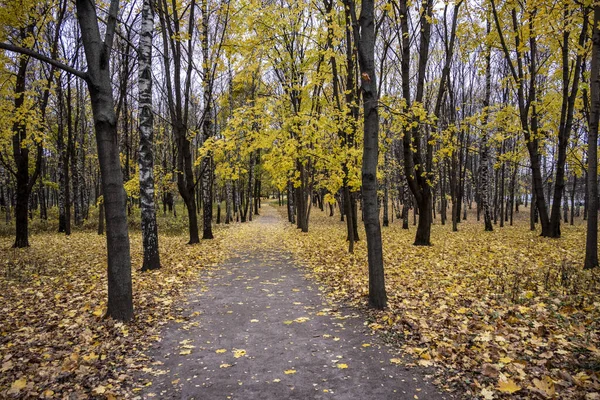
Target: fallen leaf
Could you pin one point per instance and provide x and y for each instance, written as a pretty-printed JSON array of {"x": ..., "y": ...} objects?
[
  {"x": 508, "y": 386},
  {"x": 237, "y": 353},
  {"x": 18, "y": 385}
]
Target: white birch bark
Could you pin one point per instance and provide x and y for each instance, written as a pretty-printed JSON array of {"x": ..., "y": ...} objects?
[{"x": 146, "y": 157}]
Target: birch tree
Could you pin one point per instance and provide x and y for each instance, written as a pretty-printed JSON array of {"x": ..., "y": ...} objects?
[{"x": 146, "y": 156}]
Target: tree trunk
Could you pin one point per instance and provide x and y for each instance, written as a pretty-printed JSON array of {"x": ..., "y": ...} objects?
[
  {"x": 120, "y": 298},
  {"x": 290, "y": 203},
  {"x": 484, "y": 162},
  {"x": 423, "y": 236},
  {"x": 591, "y": 242},
  {"x": 146, "y": 152},
  {"x": 21, "y": 157},
  {"x": 228, "y": 201},
  {"x": 566, "y": 117},
  {"x": 73, "y": 159},
  {"x": 207, "y": 126},
  {"x": 573, "y": 199},
  {"x": 366, "y": 58}
]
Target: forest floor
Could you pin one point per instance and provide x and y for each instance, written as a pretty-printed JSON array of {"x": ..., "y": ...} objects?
[
  {"x": 258, "y": 329},
  {"x": 489, "y": 315},
  {"x": 502, "y": 314}
]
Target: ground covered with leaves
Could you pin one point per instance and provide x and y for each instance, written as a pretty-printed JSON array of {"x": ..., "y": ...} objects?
[
  {"x": 499, "y": 314},
  {"x": 54, "y": 341}
]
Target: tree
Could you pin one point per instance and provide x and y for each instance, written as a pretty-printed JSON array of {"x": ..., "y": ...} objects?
[
  {"x": 366, "y": 60},
  {"x": 22, "y": 126},
  {"x": 146, "y": 156},
  {"x": 484, "y": 166},
  {"x": 571, "y": 73},
  {"x": 417, "y": 170},
  {"x": 526, "y": 95},
  {"x": 178, "y": 99},
  {"x": 97, "y": 52},
  {"x": 591, "y": 242}
]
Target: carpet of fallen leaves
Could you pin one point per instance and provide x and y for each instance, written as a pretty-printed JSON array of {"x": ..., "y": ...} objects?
[
  {"x": 54, "y": 341},
  {"x": 498, "y": 314}
]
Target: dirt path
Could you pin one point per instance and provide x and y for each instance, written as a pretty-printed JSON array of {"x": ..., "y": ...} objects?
[{"x": 260, "y": 330}]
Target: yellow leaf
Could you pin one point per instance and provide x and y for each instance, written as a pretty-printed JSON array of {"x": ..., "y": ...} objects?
[
  {"x": 289, "y": 371},
  {"x": 342, "y": 366},
  {"x": 237, "y": 353},
  {"x": 220, "y": 351},
  {"x": 185, "y": 352},
  {"x": 18, "y": 384},
  {"x": 545, "y": 385},
  {"x": 366, "y": 345},
  {"x": 375, "y": 326},
  {"x": 100, "y": 390},
  {"x": 395, "y": 360},
  {"x": 225, "y": 365},
  {"x": 90, "y": 357},
  {"x": 508, "y": 386}
]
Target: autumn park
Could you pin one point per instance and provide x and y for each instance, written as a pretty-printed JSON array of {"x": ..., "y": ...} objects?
[{"x": 275, "y": 199}]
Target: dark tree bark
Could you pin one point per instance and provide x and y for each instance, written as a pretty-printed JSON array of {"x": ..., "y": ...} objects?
[
  {"x": 366, "y": 59},
  {"x": 591, "y": 241},
  {"x": 573, "y": 199},
  {"x": 24, "y": 182},
  {"x": 97, "y": 51},
  {"x": 178, "y": 99},
  {"x": 527, "y": 105},
  {"x": 569, "y": 95},
  {"x": 417, "y": 170}
]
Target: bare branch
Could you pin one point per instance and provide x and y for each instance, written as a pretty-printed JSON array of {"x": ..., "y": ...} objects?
[{"x": 22, "y": 50}]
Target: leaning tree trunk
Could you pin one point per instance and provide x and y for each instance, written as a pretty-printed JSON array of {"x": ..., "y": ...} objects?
[
  {"x": 120, "y": 298},
  {"x": 146, "y": 154},
  {"x": 366, "y": 58}
]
